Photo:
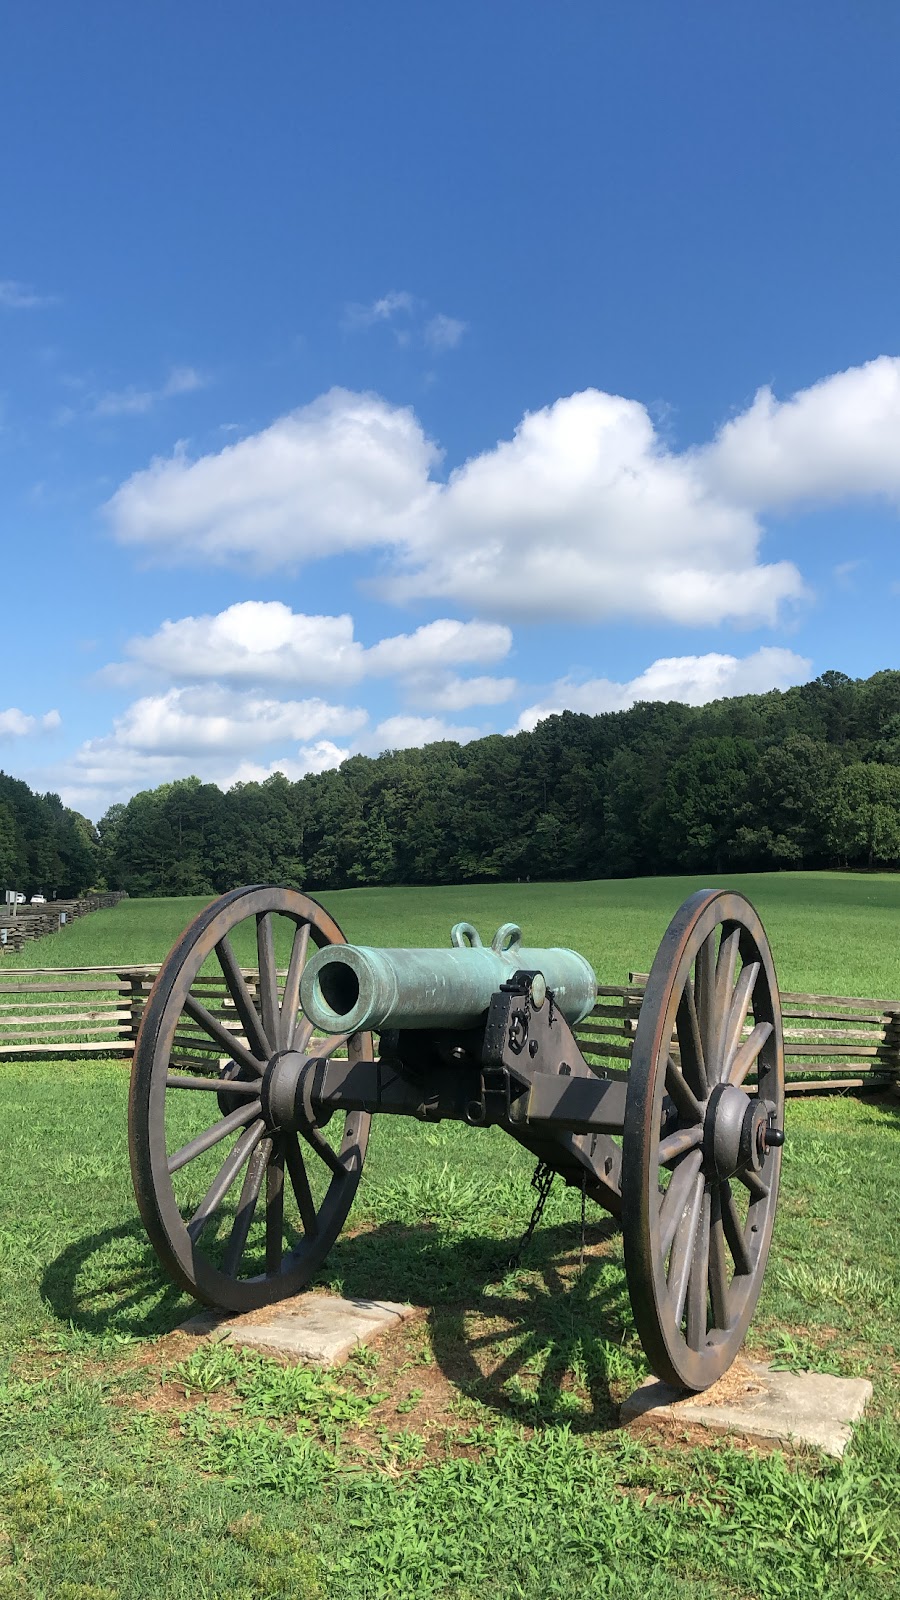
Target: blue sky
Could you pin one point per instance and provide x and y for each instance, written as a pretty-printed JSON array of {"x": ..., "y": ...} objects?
[{"x": 371, "y": 374}]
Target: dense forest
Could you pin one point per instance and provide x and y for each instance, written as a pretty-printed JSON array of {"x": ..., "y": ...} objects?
[
  {"x": 43, "y": 845},
  {"x": 805, "y": 778},
  {"x": 809, "y": 777}
]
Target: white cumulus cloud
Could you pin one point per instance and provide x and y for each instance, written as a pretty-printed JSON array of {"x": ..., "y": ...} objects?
[
  {"x": 407, "y": 732},
  {"x": 584, "y": 513},
  {"x": 693, "y": 680},
  {"x": 264, "y": 641},
  {"x": 347, "y": 472},
  {"x": 254, "y": 641},
  {"x": 439, "y": 644},
  {"x": 16, "y": 724},
  {"x": 213, "y": 718},
  {"x": 836, "y": 439},
  {"x": 457, "y": 694},
  {"x": 208, "y": 731},
  {"x": 318, "y": 757}
]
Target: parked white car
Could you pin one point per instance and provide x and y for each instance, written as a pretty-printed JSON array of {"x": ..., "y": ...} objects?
[{"x": 38, "y": 899}]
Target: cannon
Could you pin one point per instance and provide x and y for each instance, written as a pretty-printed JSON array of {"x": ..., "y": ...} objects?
[{"x": 250, "y": 1090}]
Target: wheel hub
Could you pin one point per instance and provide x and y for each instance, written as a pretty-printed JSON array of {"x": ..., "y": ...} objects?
[
  {"x": 738, "y": 1130},
  {"x": 282, "y": 1090}
]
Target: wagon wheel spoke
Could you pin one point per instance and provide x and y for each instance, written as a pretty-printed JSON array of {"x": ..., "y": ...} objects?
[
  {"x": 323, "y": 1149},
  {"x": 726, "y": 967},
  {"x": 303, "y": 1032},
  {"x": 300, "y": 1184},
  {"x": 243, "y": 1000},
  {"x": 676, "y": 1198},
  {"x": 224, "y": 1179},
  {"x": 274, "y": 1208},
  {"x": 718, "y": 1262},
  {"x": 326, "y": 1047},
  {"x": 290, "y": 1002},
  {"x": 757, "y": 1186},
  {"x": 733, "y": 1229},
  {"x": 210, "y": 1136},
  {"x": 246, "y": 1208},
  {"x": 689, "y": 1106},
  {"x": 268, "y": 977},
  {"x": 235, "y": 1086},
  {"x": 690, "y": 1044},
  {"x": 679, "y": 1143},
  {"x": 745, "y": 1058},
  {"x": 683, "y": 1249},
  {"x": 705, "y": 1000},
  {"x": 227, "y": 1041},
  {"x": 698, "y": 1281},
  {"x": 740, "y": 1005}
]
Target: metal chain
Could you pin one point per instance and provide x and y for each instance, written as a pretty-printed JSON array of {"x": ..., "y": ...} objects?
[
  {"x": 542, "y": 1182},
  {"x": 583, "y": 1207}
]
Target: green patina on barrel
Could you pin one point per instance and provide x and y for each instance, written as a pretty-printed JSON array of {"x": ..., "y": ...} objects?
[{"x": 350, "y": 987}]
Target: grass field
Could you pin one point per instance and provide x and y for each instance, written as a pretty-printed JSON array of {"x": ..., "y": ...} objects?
[
  {"x": 826, "y": 929},
  {"x": 478, "y": 1453}
]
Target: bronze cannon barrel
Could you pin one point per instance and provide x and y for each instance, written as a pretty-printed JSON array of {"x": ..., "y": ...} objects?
[{"x": 347, "y": 988}]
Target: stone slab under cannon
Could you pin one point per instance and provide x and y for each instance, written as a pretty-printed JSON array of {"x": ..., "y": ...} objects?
[{"x": 685, "y": 1149}]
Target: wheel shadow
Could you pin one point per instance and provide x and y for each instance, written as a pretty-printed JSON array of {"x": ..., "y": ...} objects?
[
  {"x": 543, "y": 1343},
  {"x": 538, "y": 1344},
  {"x": 111, "y": 1283}
]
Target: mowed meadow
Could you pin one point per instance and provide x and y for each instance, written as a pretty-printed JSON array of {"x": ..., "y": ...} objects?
[
  {"x": 830, "y": 932},
  {"x": 478, "y": 1452}
]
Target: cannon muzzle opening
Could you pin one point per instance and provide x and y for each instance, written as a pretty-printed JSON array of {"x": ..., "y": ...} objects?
[
  {"x": 346, "y": 988},
  {"x": 338, "y": 987}
]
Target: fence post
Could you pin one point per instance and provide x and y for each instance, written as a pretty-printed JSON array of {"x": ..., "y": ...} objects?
[
  {"x": 892, "y": 1048},
  {"x": 135, "y": 982}
]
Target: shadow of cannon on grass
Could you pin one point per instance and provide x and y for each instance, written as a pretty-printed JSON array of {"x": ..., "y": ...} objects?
[
  {"x": 538, "y": 1344},
  {"x": 548, "y": 1342}
]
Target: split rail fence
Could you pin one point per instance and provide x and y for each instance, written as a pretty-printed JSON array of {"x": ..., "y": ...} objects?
[
  {"x": 831, "y": 1041},
  {"x": 31, "y": 922}
]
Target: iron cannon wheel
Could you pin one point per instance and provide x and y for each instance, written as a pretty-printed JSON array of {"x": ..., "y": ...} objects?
[
  {"x": 203, "y": 1148},
  {"x": 701, "y": 1153}
]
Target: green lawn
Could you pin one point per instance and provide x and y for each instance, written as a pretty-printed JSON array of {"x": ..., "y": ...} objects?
[
  {"x": 828, "y": 930},
  {"x": 478, "y": 1454}
]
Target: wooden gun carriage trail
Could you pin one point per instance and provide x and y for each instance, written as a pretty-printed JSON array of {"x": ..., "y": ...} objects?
[{"x": 484, "y": 1036}]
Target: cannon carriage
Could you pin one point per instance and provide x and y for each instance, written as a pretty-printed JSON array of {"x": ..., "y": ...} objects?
[{"x": 231, "y": 1111}]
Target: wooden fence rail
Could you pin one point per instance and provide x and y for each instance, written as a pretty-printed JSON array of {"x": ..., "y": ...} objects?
[
  {"x": 831, "y": 1041},
  {"x": 33, "y": 922}
]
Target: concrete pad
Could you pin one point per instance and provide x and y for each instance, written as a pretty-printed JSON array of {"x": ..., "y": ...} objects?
[
  {"x": 318, "y": 1328},
  {"x": 791, "y": 1408}
]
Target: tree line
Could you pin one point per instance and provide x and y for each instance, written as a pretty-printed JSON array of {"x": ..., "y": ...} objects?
[
  {"x": 807, "y": 777},
  {"x": 44, "y": 846}
]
